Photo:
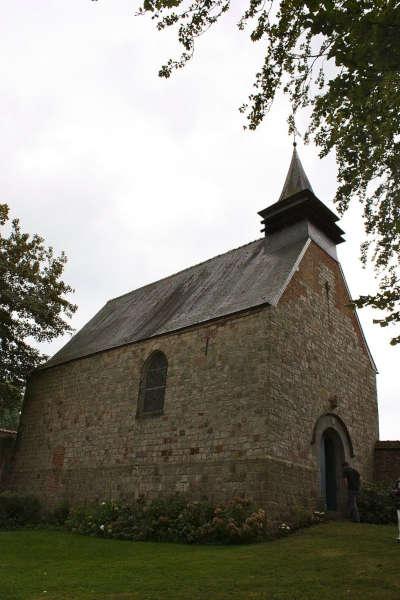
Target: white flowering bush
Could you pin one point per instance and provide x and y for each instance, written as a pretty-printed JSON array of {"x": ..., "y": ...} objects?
[
  {"x": 284, "y": 528},
  {"x": 299, "y": 518}
]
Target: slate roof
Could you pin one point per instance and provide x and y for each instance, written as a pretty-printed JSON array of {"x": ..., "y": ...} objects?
[
  {"x": 246, "y": 277},
  {"x": 296, "y": 179}
]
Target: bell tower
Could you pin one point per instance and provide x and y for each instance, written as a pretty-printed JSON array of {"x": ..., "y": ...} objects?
[{"x": 299, "y": 213}]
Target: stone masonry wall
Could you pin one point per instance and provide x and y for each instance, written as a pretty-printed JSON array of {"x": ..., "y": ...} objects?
[
  {"x": 387, "y": 461},
  {"x": 320, "y": 363},
  {"x": 243, "y": 396},
  {"x": 7, "y": 441}
]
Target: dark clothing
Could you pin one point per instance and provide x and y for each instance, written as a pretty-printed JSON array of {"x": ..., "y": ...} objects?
[
  {"x": 353, "y": 489},
  {"x": 396, "y": 494},
  {"x": 352, "y": 508},
  {"x": 353, "y": 479}
]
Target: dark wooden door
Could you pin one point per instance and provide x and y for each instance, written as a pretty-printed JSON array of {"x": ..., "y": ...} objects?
[{"x": 330, "y": 473}]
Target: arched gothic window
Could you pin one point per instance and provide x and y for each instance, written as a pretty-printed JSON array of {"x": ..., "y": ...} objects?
[{"x": 154, "y": 380}]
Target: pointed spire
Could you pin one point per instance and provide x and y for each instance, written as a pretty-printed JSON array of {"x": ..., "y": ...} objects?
[{"x": 296, "y": 179}]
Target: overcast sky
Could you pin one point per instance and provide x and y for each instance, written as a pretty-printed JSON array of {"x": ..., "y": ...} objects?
[{"x": 137, "y": 177}]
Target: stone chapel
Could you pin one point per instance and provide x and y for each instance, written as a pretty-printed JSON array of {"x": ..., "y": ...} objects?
[{"x": 246, "y": 374}]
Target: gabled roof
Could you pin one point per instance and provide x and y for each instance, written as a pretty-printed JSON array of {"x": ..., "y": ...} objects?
[
  {"x": 296, "y": 179},
  {"x": 249, "y": 276}
]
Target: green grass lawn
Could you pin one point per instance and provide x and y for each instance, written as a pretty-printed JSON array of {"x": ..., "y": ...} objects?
[{"x": 336, "y": 561}]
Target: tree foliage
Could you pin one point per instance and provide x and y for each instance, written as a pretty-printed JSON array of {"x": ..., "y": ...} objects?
[
  {"x": 341, "y": 58},
  {"x": 32, "y": 309}
]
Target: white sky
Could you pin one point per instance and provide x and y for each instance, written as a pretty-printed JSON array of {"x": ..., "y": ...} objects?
[{"x": 137, "y": 177}]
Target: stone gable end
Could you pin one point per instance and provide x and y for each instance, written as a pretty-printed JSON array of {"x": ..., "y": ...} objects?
[{"x": 320, "y": 273}]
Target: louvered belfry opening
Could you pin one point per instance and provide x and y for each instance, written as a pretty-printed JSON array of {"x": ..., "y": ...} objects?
[{"x": 154, "y": 382}]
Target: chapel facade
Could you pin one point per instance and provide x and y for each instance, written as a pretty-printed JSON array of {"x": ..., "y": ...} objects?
[{"x": 247, "y": 374}]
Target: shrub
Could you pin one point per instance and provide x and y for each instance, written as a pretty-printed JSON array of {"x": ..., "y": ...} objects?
[
  {"x": 376, "y": 504},
  {"x": 173, "y": 519},
  {"x": 299, "y": 518},
  {"x": 161, "y": 518},
  {"x": 235, "y": 522},
  {"x": 60, "y": 514},
  {"x": 93, "y": 519},
  {"x": 191, "y": 520},
  {"x": 17, "y": 510},
  {"x": 306, "y": 518}
]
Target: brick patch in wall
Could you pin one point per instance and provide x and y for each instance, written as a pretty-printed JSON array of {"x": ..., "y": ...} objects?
[{"x": 58, "y": 457}]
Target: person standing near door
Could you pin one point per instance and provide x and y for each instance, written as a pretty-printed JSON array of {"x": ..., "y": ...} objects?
[
  {"x": 396, "y": 494},
  {"x": 353, "y": 481}
]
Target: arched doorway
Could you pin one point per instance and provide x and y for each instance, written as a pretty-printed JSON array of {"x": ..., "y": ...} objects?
[
  {"x": 332, "y": 458},
  {"x": 332, "y": 446}
]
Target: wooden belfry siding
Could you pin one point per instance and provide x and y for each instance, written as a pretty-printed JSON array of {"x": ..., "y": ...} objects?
[{"x": 242, "y": 397}]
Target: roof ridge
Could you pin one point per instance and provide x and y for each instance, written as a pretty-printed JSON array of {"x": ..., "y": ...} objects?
[{"x": 203, "y": 262}]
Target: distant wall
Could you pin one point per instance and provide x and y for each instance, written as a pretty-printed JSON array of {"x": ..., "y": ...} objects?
[
  {"x": 387, "y": 461},
  {"x": 7, "y": 441}
]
